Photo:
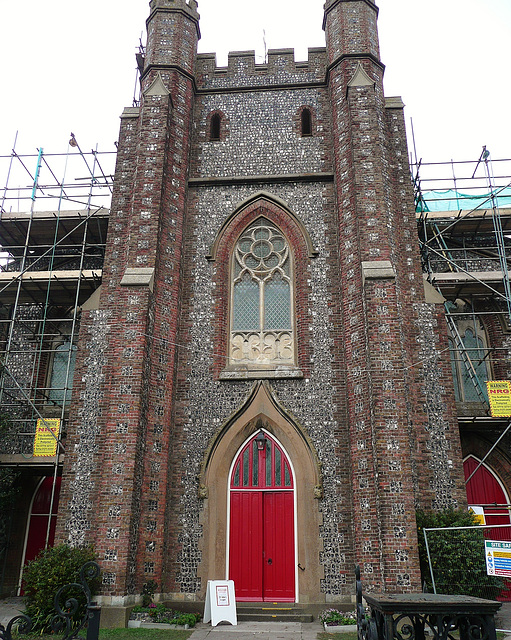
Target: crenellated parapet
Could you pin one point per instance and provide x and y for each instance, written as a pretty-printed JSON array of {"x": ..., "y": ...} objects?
[{"x": 242, "y": 70}]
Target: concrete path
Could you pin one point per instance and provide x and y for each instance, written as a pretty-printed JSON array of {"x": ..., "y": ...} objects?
[
  {"x": 258, "y": 631},
  {"x": 503, "y": 617},
  {"x": 10, "y": 607}
]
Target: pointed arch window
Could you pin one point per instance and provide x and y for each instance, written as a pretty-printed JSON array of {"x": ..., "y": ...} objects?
[
  {"x": 469, "y": 365},
  {"x": 62, "y": 372},
  {"x": 262, "y": 467},
  {"x": 262, "y": 322}
]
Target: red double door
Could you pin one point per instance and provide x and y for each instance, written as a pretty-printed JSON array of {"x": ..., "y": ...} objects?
[{"x": 262, "y": 540}]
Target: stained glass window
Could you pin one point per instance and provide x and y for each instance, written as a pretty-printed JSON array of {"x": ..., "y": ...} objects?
[
  {"x": 262, "y": 469},
  {"x": 262, "y": 311}
]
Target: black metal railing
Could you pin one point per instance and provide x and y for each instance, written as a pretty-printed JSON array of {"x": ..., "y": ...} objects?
[
  {"x": 66, "y": 608},
  {"x": 415, "y": 616}
]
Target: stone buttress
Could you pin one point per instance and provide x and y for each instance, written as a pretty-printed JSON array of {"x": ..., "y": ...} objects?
[
  {"x": 380, "y": 280},
  {"x": 115, "y": 489}
]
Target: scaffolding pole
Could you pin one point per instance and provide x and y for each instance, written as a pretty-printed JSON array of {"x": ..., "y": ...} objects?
[{"x": 465, "y": 245}]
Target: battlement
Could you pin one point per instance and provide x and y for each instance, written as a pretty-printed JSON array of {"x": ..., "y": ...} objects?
[
  {"x": 242, "y": 69},
  {"x": 190, "y": 6}
]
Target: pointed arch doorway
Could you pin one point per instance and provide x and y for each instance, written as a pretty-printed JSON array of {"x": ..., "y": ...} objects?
[
  {"x": 262, "y": 522},
  {"x": 485, "y": 489}
]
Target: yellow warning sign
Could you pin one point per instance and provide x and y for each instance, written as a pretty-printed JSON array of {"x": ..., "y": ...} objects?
[
  {"x": 478, "y": 514},
  {"x": 499, "y": 394},
  {"x": 46, "y": 437}
]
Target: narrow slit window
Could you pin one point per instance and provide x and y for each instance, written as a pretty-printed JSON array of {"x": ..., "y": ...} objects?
[
  {"x": 306, "y": 123},
  {"x": 215, "y": 127}
]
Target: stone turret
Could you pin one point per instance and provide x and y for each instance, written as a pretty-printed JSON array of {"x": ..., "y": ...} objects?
[
  {"x": 142, "y": 283},
  {"x": 172, "y": 36},
  {"x": 351, "y": 28}
]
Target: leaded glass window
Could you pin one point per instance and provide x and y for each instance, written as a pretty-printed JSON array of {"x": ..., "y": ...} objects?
[
  {"x": 266, "y": 468},
  {"x": 62, "y": 371},
  {"x": 473, "y": 336},
  {"x": 262, "y": 310}
]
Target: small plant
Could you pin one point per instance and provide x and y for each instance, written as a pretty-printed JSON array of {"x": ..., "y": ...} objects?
[
  {"x": 335, "y": 617},
  {"x": 148, "y": 591},
  {"x": 160, "y": 614}
]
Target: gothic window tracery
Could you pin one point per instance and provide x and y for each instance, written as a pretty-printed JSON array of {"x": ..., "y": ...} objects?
[
  {"x": 473, "y": 355},
  {"x": 262, "y": 324}
]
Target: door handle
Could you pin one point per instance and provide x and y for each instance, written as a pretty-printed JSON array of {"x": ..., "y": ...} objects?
[{"x": 270, "y": 561}]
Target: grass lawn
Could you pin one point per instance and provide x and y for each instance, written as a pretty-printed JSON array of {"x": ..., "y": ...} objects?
[
  {"x": 143, "y": 634},
  {"x": 122, "y": 634}
]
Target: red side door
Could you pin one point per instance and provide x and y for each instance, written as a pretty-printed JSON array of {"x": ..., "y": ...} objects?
[
  {"x": 279, "y": 548},
  {"x": 38, "y": 520},
  {"x": 38, "y": 524},
  {"x": 484, "y": 489}
]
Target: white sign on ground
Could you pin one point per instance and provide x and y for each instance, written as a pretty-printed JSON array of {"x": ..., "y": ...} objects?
[{"x": 220, "y": 602}]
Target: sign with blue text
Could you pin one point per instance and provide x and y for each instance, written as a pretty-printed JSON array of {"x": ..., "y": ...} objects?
[{"x": 498, "y": 558}]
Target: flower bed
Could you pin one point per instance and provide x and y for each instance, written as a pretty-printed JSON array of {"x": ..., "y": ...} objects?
[
  {"x": 159, "y": 614},
  {"x": 336, "y": 618}
]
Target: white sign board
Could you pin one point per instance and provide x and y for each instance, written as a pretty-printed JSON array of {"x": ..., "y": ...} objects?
[
  {"x": 220, "y": 602},
  {"x": 498, "y": 558}
]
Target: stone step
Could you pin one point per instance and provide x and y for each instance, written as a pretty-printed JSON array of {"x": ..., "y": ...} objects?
[{"x": 258, "y": 613}]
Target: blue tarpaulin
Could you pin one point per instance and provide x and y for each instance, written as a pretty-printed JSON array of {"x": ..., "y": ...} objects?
[{"x": 451, "y": 200}]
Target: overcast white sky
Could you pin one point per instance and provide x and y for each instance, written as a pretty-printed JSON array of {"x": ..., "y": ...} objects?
[{"x": 70, "y": 66}]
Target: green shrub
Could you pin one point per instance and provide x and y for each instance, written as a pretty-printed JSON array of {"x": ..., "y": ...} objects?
[
  {"x": 457, "y": 557},
  {"x": 46, "y": 574},
  {"x": 160, "y": 614},
  {"x": 190, "y": 619}
]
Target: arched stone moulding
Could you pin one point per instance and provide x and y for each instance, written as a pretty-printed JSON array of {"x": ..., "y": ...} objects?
[
  {"x": 262, "y": 410},
  {"x": 277, "y": 212},
  {"x": 259, "y": 200}
]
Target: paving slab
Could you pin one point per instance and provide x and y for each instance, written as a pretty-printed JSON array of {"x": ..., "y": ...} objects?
[
  {"x": 10, "y": 607},
  {"x": 258, "y": 631}
]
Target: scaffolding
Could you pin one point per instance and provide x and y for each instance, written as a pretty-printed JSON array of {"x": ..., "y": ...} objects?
[
  {"x": 52, "y": 247},
  {"x": 463, "y": 212}
]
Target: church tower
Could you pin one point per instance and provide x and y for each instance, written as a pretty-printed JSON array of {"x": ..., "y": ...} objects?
[{"x": 256, "y": 394}]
